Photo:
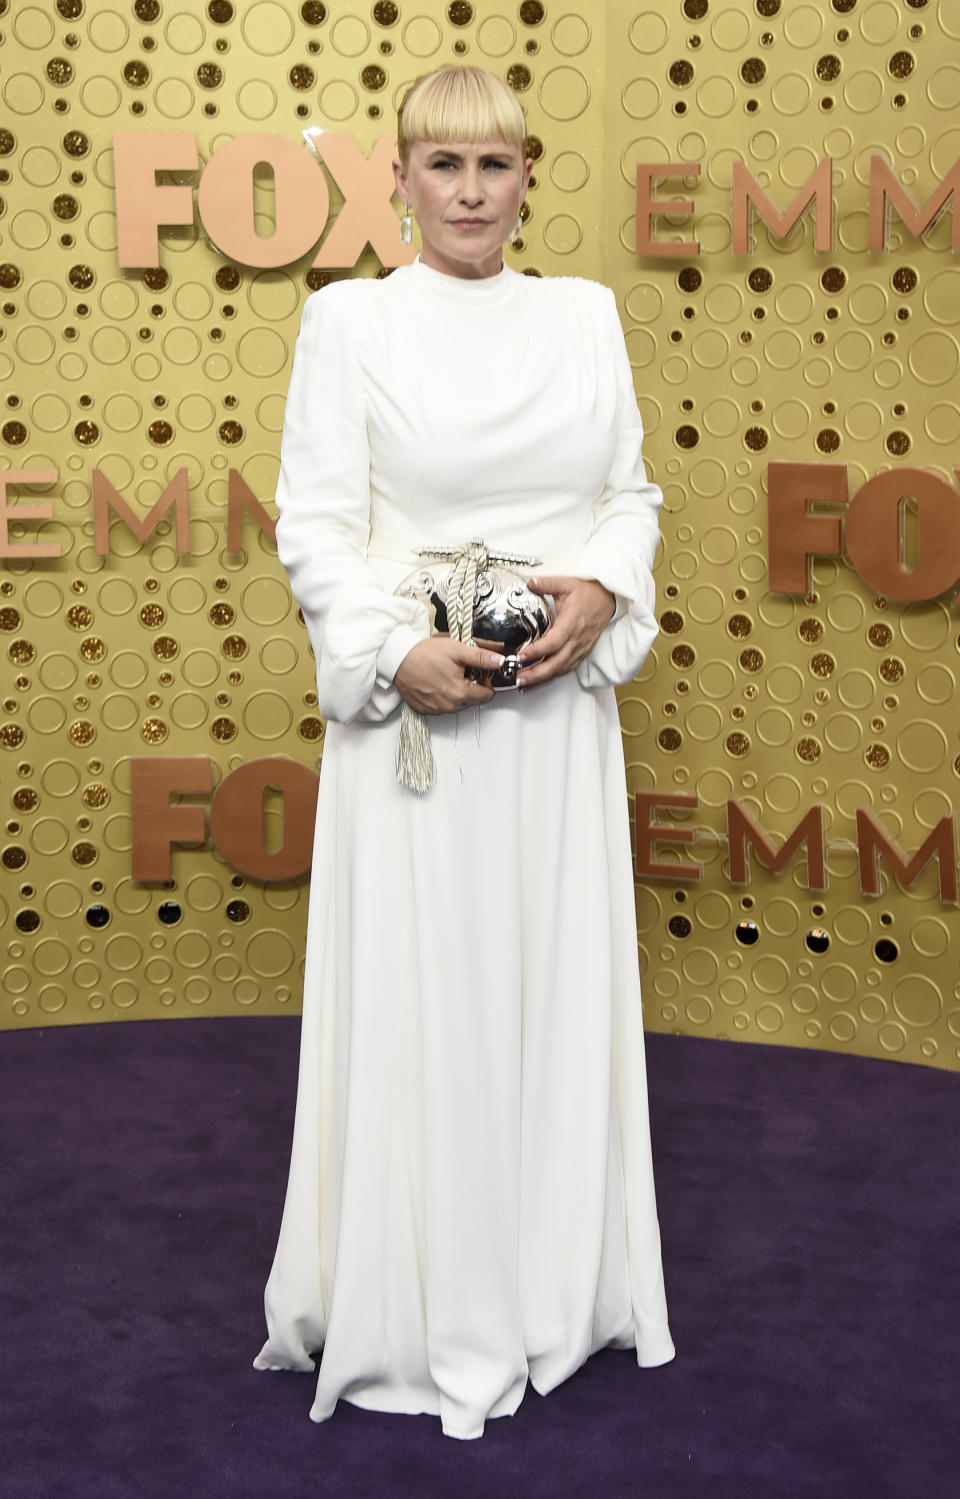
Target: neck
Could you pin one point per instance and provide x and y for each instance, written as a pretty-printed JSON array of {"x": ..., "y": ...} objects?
[{"x": 465, "y": 270}]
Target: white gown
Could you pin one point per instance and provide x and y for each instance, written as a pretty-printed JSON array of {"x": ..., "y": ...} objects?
[{"x": 471, "y": 1200}]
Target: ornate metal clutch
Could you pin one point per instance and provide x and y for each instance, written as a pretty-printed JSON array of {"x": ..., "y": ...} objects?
[{"x": 477, "y": 594}]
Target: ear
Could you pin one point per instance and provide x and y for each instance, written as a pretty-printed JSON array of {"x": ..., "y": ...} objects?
[
  {"x": 400, "y": 178},
  {"x": 527, "y": 172}
]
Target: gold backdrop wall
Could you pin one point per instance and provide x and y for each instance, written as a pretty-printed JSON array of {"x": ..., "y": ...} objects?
[{"x": 841, "y": 697}]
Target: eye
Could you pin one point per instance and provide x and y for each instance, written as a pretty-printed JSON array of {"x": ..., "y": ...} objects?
[{"x": 498, "y": 165}]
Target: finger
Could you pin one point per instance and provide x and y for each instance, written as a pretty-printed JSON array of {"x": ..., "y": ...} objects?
[
  {"x": 544, "y": 671},
  {"x": 475, "y": 658},
  {"x": 451, "y": 700},
  {"x": 547, "y": 644},
  {"x": 548, "y": 583},
  {"x": 472, "y": 694},
  {"x": 535, "y": 676},
  {"x": 470, "y": 684}
]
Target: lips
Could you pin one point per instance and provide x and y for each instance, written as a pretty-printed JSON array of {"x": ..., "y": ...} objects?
[{"x": 470, "y": 223}]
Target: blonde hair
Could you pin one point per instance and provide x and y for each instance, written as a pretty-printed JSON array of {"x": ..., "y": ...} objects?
[{"x": 458, "y": 103}]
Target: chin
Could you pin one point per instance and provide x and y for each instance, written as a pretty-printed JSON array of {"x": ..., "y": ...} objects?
[{"x": 466, "y": 247}]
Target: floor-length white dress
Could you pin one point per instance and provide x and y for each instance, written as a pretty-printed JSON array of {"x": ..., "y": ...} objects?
[{"x": 471, "y": 1200}]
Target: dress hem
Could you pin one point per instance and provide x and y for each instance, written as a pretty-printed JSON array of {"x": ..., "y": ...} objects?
[{"x": 410, "y": 1402}]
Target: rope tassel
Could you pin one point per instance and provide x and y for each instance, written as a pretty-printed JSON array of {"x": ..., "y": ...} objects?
[
  {"x": 415, "y": 767},
  {"x": 470, "y": 565}
]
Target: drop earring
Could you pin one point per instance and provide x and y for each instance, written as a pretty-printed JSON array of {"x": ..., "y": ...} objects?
[
  {"x": 515, "y": 233},
  {"x": 406, "y": 226}
]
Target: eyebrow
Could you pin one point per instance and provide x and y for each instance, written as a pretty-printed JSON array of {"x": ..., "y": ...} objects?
[{"x": 501, "y": 152}]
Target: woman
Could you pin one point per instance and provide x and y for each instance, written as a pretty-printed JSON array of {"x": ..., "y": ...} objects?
[{"x": 470, "y": 1201}]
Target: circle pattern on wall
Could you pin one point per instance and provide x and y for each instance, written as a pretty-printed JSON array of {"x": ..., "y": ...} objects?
[{"x": 174, "y": 376}]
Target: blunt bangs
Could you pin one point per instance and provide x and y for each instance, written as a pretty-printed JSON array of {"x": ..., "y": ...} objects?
[{"x": 459, "y": 104}]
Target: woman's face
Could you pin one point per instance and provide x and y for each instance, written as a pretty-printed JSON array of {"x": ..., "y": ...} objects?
[{"x": 465, "y": 196}]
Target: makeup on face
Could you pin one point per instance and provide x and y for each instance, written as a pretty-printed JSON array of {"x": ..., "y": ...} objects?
[{"x": 466, "y": 197}]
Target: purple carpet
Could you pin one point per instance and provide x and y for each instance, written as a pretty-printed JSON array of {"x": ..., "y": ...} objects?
[{"x": 809, "y": 1210}]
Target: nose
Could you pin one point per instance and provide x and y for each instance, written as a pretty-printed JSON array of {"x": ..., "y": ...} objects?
[{"x": 471, "y": 185}]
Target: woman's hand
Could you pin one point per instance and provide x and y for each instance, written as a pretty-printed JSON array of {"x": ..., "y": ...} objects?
[
  {"x": 432, "y": 677},
  {"x": 584, "y": 609}
]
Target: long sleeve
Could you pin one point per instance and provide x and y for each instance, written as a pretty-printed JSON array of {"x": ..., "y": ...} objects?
[
  {"x": 359, "y": 632},
  {"x": 621, "y": 547}
]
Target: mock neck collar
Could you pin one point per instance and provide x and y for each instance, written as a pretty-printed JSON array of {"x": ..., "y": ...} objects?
[{"x": 480, "y": 291}]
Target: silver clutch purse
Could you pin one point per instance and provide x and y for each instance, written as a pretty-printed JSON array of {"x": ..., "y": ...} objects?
[{"x": 477, "y": 594}]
